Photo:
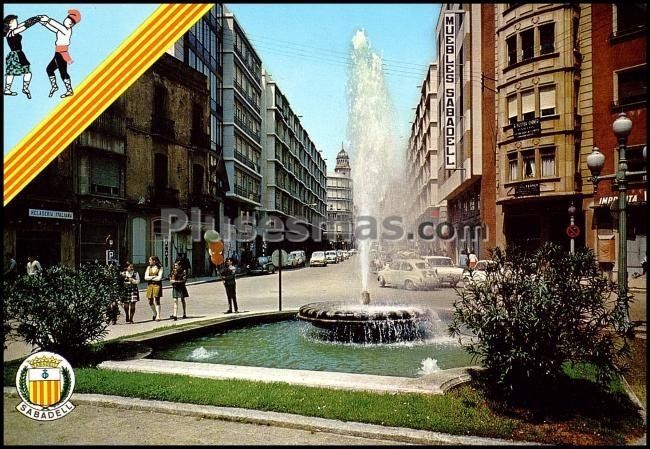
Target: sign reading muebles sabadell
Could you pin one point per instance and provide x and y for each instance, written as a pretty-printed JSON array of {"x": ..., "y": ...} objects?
[
  {"x": 44, "y": 213},
  {"x": 449, "y": 73}
]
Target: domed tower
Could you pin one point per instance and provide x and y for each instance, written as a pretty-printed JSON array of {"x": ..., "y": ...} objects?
[{"x": 343, "y": 163}]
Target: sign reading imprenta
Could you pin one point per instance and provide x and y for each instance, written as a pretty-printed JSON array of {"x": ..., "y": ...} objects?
[{"x": 449, "y": 73}]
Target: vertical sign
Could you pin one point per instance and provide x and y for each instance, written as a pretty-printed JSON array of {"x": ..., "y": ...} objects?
[{"x": 449, "y": 97}]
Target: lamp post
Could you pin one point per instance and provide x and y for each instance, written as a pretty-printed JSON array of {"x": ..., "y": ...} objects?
[
  {"x": 572, "y": 214},
  {"x": 622, "y": 127}
]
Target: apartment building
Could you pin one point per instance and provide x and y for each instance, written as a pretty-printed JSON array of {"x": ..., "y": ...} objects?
[{"x": 340, "y": 204}]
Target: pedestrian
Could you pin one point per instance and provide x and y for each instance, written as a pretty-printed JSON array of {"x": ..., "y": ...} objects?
[
  {"x": 17, "y": 63},
  {"x": 178, "y": 277},
  {"x": 228, "y": 275},
  {"x": 33, "y": 266},
  {"x": 154, "y": 275},
  {"x": 131, "y": 279},
  {"x": 463, "y": 259},
  {"x": 11, "y": 267},
  {"x": 472, "y": 260},
  {"x": 185, "y": 262},
  {"x": 61, "y": 57},
  {"x": 644, "y": 267}
]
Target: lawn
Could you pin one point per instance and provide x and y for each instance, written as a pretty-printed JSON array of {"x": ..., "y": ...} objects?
[{"x": 577, "y": 413}]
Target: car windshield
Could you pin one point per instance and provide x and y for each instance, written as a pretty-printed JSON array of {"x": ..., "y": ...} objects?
[
  {"x": 440, "y": 262},
  {"x": 318, "y": 254},
  {"x": 420, "y": 265},
  {"x": 331, "y": 253}
]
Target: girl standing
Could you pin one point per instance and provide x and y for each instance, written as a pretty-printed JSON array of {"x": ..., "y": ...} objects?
[
  {"x": 131, "y": 279},
  {"x": 16, "y": 62},
  {"x": 179, "y": 291},
  {"x": 154, "y": 275}
]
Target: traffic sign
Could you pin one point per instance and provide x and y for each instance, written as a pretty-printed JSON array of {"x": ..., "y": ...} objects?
[
  {"x": 110, "y": 256},
  {"x": 275, "y": 257},
  {"x": 573, "y": 231}
]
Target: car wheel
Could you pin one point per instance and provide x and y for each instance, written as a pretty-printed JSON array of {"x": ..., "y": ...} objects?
[
  {"x": 409, "y": 285},
  {"x": 271, "y": 269},
  {"x": 382, "y": 282}
]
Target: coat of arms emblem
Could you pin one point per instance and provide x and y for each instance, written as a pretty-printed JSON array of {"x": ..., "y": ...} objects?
[{"x": 45, "y": 382}]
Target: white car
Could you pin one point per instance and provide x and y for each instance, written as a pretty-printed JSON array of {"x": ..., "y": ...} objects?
[
  {"x": 352, "y": 252},
  {"x": 297, "y": 259},
  {"x": 318, "y": 258},
  {"x": 331, "y": 257},
  {"x": 447, "y": 271},
  {"x": 408, "y": 273}
]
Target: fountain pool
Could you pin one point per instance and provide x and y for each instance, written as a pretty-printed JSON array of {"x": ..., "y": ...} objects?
[{"x": 288, "y": 344}]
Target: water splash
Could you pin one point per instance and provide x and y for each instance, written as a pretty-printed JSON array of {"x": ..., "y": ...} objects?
[
  {"x": 370, "y": 138},
  {"x": 202, "y": 354},
  {"x": 428, "y": 366}
]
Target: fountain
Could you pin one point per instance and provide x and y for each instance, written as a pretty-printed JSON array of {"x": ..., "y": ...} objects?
[{"x": 370, "y": 135}]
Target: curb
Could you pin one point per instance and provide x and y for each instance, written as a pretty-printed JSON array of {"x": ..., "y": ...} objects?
[
  {"x": 642, "y": 411},
  {"x": 286, "y": 420}
]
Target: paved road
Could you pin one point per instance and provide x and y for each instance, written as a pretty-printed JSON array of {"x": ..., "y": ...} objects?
[{"x": 94, "y": 425}]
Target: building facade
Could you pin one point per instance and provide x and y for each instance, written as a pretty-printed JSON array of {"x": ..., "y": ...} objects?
[
  {"x": 294, "y": 171},
  {"x": 340, "y": 205},
  {"x": 544, "y": 73},
  {"x": 618, "y": 37},
  {"x": 423, "y": 163},
  {"x": 467, "y": 137}
]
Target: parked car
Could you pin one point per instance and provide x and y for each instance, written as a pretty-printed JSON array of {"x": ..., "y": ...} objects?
[
  {"x": 318, "y": 258},
  {"x": 339, "y": 255},
  {"x": 408, "y": 273},
  {"x": 331, "y": 256},
  {"x": 262, "y": 265},
  {"x": 447, "y": 271},
  {"x": 353, "y": 251},
  {"x": 297, "y": 259}
]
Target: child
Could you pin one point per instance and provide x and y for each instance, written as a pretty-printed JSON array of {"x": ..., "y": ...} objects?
[
  {"x": 153, "y": 275},
  {"x": 131, "y": 279},
  {"x": 178, "y": 278}
]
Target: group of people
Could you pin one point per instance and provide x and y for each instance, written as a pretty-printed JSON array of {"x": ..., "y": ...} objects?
[
  {"x": 17, "y": 63},
  {"x": 33, "y": 266},
  {"x": 154, "y": 274}
]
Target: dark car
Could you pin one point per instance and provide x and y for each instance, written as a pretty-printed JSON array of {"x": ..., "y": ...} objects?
[{"x": 262, "y": 265}]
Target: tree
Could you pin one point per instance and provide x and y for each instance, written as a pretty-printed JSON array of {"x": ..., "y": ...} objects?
[
  {"x": 63, "y": 310},
  {"x": 537, "y": 311}
]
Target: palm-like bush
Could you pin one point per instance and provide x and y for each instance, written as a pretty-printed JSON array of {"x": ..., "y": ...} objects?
[{"x": 537, "y": 311}]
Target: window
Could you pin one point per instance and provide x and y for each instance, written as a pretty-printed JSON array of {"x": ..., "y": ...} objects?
[
  {"x": 529, "y": 164},
  {"x": 547, "y": 38},
  {"x": 105, "y": 176},
  {"x": 630, "y": 17},
  {"x": 547, "y": 101},
  {"x": 139, "y": 240},
  {"x": 512, "y": 109},
  {"x": 632, "y": 85},
  {"x": 636, "y": 162},
  {"x": 512, "y": 166},
  {"x": 197, "y": 179},
  {"x": 528, "y": 105},
  {"x": 160, "y": 171},
  {"x": 511, "y": 44},
  {"x": 160, "y": 101},
  {"x": 527, "y": 44},
  {"x": 548, "y": 162}
]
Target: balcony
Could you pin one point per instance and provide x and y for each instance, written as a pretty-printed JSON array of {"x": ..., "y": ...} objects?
[
  {"x": 162, "y": 126},
  {"x": 255, "y": 135},
  {"x": 246, "y": 161},
  {"x": 203, "y": 200},
  {"x": 111, "y": 124},
  {"x": 200, "y": 139},
  {"x": 241, "y": 91},
  {"x": 163, "y": 196},
  {"x": 246, "y": 194}
]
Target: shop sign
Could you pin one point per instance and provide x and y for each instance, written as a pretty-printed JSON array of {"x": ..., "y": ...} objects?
[
  {"x": 633, "y": 196},
  {"x": 527, "y": 189},
  {"x": 57, "y": 214},
  {"x": 526, "y": 128},
  {"x": 449, "y": 97}
]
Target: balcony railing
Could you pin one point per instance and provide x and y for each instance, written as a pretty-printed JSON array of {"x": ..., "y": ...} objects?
[
  {"x": 247, "y": 194},
  {"x": 200, "y": 139},
  {"x": 163, "y": 195},
  {"x": 162, "y": 126},
  {"x": 246, "y": 161},
  {"x": 241, "y": 91},
  {"x": 202, "y": 200},
  {"x": 249, "y": 130},
  {"x": 110, "y": 123}
]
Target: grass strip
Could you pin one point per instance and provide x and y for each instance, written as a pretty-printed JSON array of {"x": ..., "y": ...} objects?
[{"x": 463, "y": 411}]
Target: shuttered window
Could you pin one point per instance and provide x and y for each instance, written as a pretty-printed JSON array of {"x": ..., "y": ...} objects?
[
  {"x": 547, "y": 100},
  {"x": 512, "y": 109},
  {"x": 139, "y": 240},
  {"x": 105, "y": 179},
  {"x": 528, "y": 105}
]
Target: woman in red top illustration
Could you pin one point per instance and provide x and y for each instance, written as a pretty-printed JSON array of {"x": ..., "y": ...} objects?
[{"x": 61, "y": 57}]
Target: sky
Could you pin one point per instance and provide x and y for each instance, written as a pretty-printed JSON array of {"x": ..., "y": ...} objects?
[
  {"x": 101, "y": 30},
  {"x": 305, "y": 47}
]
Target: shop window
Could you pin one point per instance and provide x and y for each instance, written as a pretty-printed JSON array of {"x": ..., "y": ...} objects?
[
  {"x": 513, "y": 167},
  {"x": 511, "y": 44},
  {"x": 528, "y": 105},
  {"x": 548, "y": 162},
  {"x": 630, "y": 17},
  {"x": 512, "y": 109},
  {"x": 547, "y": 100},
  {"x": 529, "y": 164},
  {"x": 527, "y": 44},
  {"x": 547, "y": 38},
  {"x": 632, "y": 85}
]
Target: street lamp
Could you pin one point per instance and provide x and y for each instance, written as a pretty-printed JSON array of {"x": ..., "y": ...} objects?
[{"x": 622, "y": 127}]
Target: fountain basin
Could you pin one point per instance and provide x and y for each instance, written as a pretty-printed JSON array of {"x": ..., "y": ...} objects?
[{"x": 368, "y": 324}]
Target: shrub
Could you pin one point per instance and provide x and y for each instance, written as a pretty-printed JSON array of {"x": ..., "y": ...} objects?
[
  {"x": 63, "y": 310},
  {"x": 536, "y": 312}
]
